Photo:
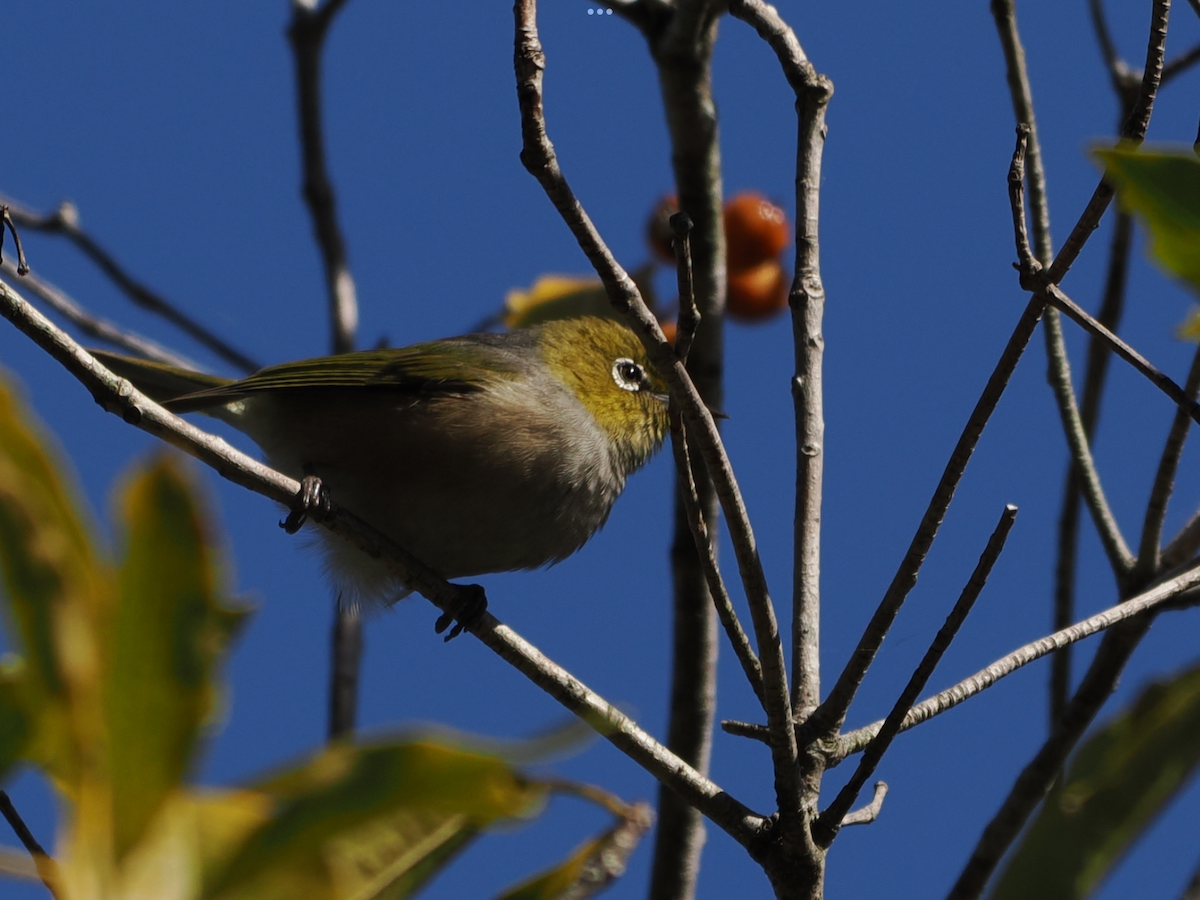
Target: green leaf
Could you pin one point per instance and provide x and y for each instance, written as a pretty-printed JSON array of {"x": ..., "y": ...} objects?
[
  {"x": 164, "y": 638},
  {"x": 370, "y": 822},
  {"x": 14, "y": 723},
  {"x": 1164, "y": 189},
  {"x": 1119, "y": 781},
  {"x": 55, "y": 588}
]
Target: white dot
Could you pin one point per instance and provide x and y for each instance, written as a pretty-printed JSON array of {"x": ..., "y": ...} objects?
[
  {"x": 608, "y": 12},
  {"x": 591, "y": 12}
]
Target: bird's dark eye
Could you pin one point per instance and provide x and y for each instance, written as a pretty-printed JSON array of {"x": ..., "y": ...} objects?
[{"x": 628, "y": 375}]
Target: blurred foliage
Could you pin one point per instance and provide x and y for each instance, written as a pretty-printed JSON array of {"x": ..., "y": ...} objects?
[
  {"x": 1117, "y": 784},
  {"x": 115, "y": 683},
  {"x": 1163, "y": 189}
]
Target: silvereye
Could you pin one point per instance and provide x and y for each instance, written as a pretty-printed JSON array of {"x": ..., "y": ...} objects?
[{"x": 482, "y": 453}]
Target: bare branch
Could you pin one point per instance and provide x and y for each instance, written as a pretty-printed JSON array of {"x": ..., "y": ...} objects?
[
  {"x": 1164, "y": 481},
  {"x": 307, "y": 36},
  {"x": 813, "y": 92},
  {"x": 1159, "y": 596},
  {"x": 1021, "y": 94},
  {"x": 1119, "y": 555},
  {"x": 539, "y": 158},
  {"x": 65, "y": 221},
  {"x": 708, "y": 560},
  {"x": 47, "y": 868},
  {"x": 869, "y": 813},
  {"x": 1184, "y": 545},
  {"x": 116, "y": 395},
  {"x": 1111, "y": 309},
  {"x": 1118, "y": 70},
  {"x": 101, "y": 329},
  {"x": 827, "y": 824},
  {"x": 22, "y": 267},
  {"x": 1026, "y": 262},
  {"x": 1126, "y": 352},
  {"x": 688, "y": 320},
  {"x": 345, "y": 657}
]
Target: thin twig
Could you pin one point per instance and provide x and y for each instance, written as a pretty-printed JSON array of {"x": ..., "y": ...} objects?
[
  {"x": 118, "y": 396},
  {"x": 708, "y": 560},
  {"x": 1021, "y": 96},
  {"x": 101, "y": 329},
  {"x": 306, "y": 34},
  {"x": 1027, "y": 263},
  {"x": 1184, "y": 545},
  {"x": 1164, "y": 482},
  {"x": 807, "y": 300},
  {"x": 1116, "y": 549},
  {"x": 688, "y": 320},
  {"x": 869, "y": 813},
  {"x": 1133, "y": 129},
  {"x": 1119, "y": 71},
  {"x": 47, "y": 868},
  {"x": 539, "y": 158},
  {"x": 346, "y": 647},
  {"x": 1126, "y": 352},
  {"x": 830, "y": 820},
  {"x": 1158, "y": 596},
  {"x": 1111, "y": 309},
  {"x": 65, "y": 221},
  {"x": 22, "y": 267}
]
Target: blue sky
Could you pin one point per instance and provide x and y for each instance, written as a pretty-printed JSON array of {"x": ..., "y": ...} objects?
[{"x": 171, "y": 126}]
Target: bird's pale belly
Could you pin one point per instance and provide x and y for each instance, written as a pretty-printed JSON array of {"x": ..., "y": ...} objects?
[{"x": 464, "y": 502}]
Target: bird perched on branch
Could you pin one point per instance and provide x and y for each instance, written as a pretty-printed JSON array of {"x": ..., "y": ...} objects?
[{"x": 477, "y": 454}]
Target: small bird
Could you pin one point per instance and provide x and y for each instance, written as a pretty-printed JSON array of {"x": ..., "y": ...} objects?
[{"x": 477, "y": 454}]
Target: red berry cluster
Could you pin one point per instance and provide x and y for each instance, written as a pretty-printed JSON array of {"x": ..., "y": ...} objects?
[{"x": 756, "y": 234}]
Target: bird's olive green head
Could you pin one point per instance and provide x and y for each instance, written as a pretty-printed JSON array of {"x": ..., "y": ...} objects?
[{"x": 606, "y": 367}]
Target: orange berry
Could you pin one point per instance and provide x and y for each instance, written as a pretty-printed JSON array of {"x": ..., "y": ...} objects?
[
  {"x": 659, "y": 235},
  {"x": 758, "y": 292},
  {"x": 669, "y": 329},
  {"x": 756, "y": 230}
]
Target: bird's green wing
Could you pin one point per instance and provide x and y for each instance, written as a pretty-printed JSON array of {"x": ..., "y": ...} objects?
[{"x": 453, "y": 366}]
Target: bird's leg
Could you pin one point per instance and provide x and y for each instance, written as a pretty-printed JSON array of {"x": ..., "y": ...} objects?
[
  {"x": 312, "y": 499},
  {"x": 468, "y": 610}
]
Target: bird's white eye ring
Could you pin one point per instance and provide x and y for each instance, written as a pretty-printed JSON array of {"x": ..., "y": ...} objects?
[{"x": 628, "y": 375}]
